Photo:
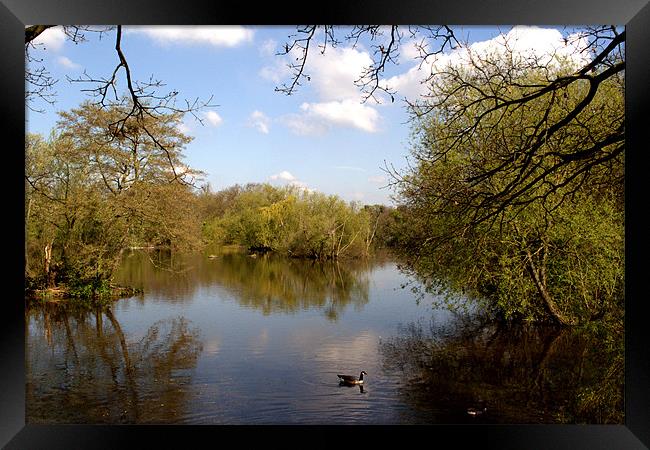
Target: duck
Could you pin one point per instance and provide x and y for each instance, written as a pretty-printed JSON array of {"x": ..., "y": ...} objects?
[
  {"x": 476, "y": 411},
  {"x": 351, "y": 379},
  {"x": 212, "y": 256}
]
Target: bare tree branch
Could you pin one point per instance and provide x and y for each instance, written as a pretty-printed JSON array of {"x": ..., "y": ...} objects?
[{"x": 142, "y": 97}]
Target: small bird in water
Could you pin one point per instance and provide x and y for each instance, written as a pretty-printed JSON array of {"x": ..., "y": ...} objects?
[
  {"x": 351, "y": 380},
  {"x": 476, "y": 411}
]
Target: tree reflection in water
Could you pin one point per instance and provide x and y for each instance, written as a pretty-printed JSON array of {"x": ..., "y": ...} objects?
[
  {"x": 270, "y": 283},
  {"x": 81, "y": 368},
  {"x": 276, "y": 284},
  {"x": 521, "y": 373}
]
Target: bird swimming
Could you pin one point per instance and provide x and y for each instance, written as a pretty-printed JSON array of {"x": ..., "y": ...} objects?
[
  {"x": 351, "y": 379},
  {"x": 476, "y": 411}
]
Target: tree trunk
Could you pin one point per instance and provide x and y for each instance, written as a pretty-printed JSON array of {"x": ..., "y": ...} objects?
[
  {"x": 371, "y": 236},
  {"x": 49, "y": 279},
  {"x": 128, "y": 367},
  {"x": 538, "y": 276},
  {"x": 28, "y": 213}
]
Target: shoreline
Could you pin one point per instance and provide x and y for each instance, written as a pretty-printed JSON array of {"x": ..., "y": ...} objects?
[{"x": 61, "y": 293}]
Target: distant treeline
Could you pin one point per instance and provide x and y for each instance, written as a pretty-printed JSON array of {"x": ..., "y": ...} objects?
[{"x": 294, "y": 222}]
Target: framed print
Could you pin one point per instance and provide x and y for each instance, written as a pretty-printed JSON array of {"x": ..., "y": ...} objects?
[{"x": 232, "y": 222}]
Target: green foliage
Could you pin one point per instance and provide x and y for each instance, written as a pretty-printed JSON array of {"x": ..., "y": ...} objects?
[
  {"x": 90, "y": 289},
  {"x": 93, "y": 190},
  {"x": 535, "y": 231},
  {"x": 291, "y": 221}
]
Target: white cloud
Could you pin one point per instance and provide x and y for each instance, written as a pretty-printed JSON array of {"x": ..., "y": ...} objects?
[
  {"x": 214, "y": 118},
  {"x": 51, "y": 39},
  {"x": 67, "y": 63},
  {"x": 409, "y": 51},
  {"x": 268, "y": 47},
  {"x": 260, "y": 121},
  {"x": 278, "y": 72},
  {"x": 379, "y": 179},
  {"x": 332, "y": 74},
  {"x": 318, "y": 118},
  {"x": 546, "y": 45},
  {"x": 529, "y": 43},
  {"x": 285, "y": 175},
  {"x": 216, "y": 36},
  {"x": 180, "y": 170},
  {"x": 302, "y": 186},
  {"x": 348, "y": 113},
  {"x": 409, "y": 84},
  {"x": 303, "y": 125},
  {"x": 335, "y": 71}
]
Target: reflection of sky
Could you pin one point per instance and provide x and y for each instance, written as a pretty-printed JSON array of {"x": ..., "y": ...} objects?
[
  {"x": 258, "y": 343},
  {"x": 212, "y": 346}
]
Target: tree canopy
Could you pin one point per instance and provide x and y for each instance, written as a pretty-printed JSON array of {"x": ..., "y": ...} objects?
[{"x": 90, "y": 193}]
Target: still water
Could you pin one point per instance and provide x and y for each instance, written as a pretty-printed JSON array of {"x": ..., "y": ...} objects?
[{"x": 243, "y": 340}]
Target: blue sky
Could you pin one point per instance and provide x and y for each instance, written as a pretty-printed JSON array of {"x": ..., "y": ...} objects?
[{"x": 322, "y": 137}]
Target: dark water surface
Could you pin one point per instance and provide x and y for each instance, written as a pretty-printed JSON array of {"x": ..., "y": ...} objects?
[{"x": 243, "y": 340}]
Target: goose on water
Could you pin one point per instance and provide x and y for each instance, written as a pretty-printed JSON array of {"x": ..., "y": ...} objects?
[
  {"x": 476, "y": 411},
  {"x": 351, "y": 379}
]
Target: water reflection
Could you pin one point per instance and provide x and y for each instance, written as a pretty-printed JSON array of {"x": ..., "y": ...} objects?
[
  {"x": 269, "y": 283},
  {"x": 265, "y": 355},
  {"x": 355, "y": 387},
  {"x": 82, "y": 368},
  {"x": 477, "y": 371}
]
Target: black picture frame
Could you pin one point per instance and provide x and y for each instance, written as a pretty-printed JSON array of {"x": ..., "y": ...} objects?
[{"x": 15, "y": 14}]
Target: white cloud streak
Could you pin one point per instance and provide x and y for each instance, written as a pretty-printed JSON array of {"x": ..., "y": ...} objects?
[
  {"x": 260, "y": 121},
  {"x": 333, "y": 76},
  {"x": 215, "y": 36},
  {"x": 547, "y": 45},
  {"x": 318, "y": 118},
  {"x": 335, "y": 72},
  {"x": 349, "y": 113},
  {"x": 285, "y": 175},
  {"x": 303, "y": 125},
  {"x": 213, "y": 118},
  {"x": 67, "y": 63}
]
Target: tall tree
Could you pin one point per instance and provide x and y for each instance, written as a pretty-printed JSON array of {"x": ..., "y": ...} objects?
[
  {"x": 93, "y": 192},
  {"x": 525, "y": 201}
]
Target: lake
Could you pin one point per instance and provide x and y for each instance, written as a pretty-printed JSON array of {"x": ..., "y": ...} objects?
[{"x": 237, "y": 339}]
